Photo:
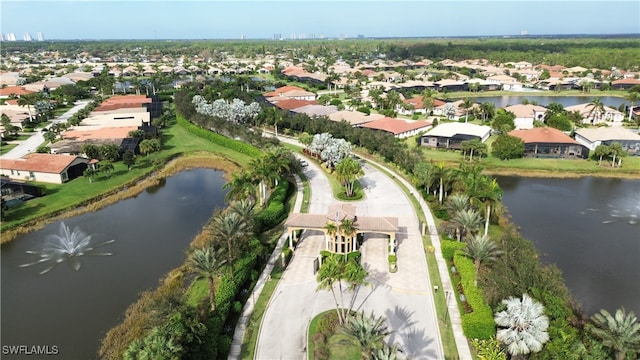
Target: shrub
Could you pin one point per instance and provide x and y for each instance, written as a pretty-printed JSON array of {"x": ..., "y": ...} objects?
[
  {"x": 449, "y": 248},
  {"x": 328, "y": 323},
  {"x": 479, "y": 323}
]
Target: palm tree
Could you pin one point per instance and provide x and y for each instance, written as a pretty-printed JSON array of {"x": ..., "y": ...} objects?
[
  {"x": 597, "y": 110},
  {"x": 488, "y": 110},
  {"x": 386, "y": 352},
  {"x": 632, "y": 97},
  {"x": 523, "y": 325},
  {"x": 347, "y": 172},
  {"x": 621, "y": 332},
  {"x": 482, "y": 250},
  {"x": 466, "y": 105},
  {"x": 467, "y": 221},
  {"x": 245, "y": 210},
  {"x": 356, "y": 276},
  {"x": 328, "y": 274},
  {"x": 262, "y": 174},
  {"x": 368, "y": 332},
  {"x": 28, "y": 100},
  {"x": 489, "y": 193},
  {"x": 240, "y": 187},
  {"x": 424, "y": 176},
  {"x": 457, "y": 202},
  {"x": 230, "y": 228},
  {"x": 616, "y": 149},
  {"x": 206, "y": 263},
  {"x": 442, "y": 174}
]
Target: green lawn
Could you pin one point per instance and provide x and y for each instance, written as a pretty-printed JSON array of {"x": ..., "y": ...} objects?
[
  {"x": 6, "y": 148},
  {"x": 176, "y": 140},
  {"x": 340, "y": 346}
]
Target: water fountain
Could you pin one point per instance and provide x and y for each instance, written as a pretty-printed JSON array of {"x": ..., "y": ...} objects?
[{"x": 67, "y": 245}]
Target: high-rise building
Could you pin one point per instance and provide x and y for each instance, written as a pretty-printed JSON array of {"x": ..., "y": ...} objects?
[
  {"x": 11, "y": 36},
  {"x": 40, "y": 36},
  {"x": 27, "y": 37},
  {"x": 1, "y": 37}
]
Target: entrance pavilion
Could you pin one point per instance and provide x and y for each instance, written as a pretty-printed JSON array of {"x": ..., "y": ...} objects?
[{"x": 341, "y": 227}]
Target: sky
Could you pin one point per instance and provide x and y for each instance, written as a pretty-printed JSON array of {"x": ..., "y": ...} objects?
[{"x": 212, "y": 19}]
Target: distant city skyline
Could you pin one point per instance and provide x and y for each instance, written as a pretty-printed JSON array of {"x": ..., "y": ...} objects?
[{"x": 117, "y": 19}]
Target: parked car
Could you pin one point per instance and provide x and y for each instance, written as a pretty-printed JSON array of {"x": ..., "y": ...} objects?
[{"x": 304, "y": 163}]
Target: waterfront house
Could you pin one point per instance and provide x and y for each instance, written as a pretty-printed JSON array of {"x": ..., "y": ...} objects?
[
  {"x": 48, "y": 168},
  {"x": 451, "y": 135},
  {"x": 398, "y": 127},
  {"x": 549, "y": 143},
  {"x": 591, "y": 138},
  {"x": 594, "y": 117}
]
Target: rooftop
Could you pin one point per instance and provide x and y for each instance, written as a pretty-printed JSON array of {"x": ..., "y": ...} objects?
[{"x": 543, "y": 135}]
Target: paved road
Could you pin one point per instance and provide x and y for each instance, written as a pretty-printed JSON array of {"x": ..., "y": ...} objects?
[
  {"x": 404, "y": 298},
  {"x": 31, "y": 144}
]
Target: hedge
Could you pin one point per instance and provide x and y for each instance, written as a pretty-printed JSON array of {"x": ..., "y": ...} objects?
[
  {"x": 449, "y": 248},
  {"x": 218, "y": 139},
  {"x": 479, "y": 323},
  {"x": 275, "y": 212}
]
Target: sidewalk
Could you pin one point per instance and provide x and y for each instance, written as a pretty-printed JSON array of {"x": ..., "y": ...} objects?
[{"x": 247, "y": 310}]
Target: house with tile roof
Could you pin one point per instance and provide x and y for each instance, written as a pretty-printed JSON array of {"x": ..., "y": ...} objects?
[
  {"x": 316, "y": 110},
  {"x": 289, "y": 92},
  {"x": 354, "y": 118},
  {"x": 593, "y": 137},
  {"x": 17, "y": 91},
  {"x": 590, "y": 116},
  {"x": 398, "y": 127},
  {"x": 526, "y": 114},
  {"x": 550, "y": 143},
  {"x": 290, "y": 104},
  {"x": 48, "y": 168},
  {"x": 624, "y": 84},
  {"x": 451, "y": 135}
]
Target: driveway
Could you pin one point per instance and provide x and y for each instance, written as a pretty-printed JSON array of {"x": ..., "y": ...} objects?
[
  {"x": 404, "y": 297},
  {"x": 31, "y": 144}
]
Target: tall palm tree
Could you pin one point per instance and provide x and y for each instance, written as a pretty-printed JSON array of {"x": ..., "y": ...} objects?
[
  {"x": 489, "y": 193},
  {"x": 621, "y": 332},
  {"x": 467, "y": 221},
  {"x": 466, "y": 105},
  {"x": 263, "y": 175},
  {"x": 229, "y": 227},
  {"x": 523, "y": 325},
  {"x": 423, "y": 173},
  {"x": 482, "y": 250},
  {"x": 206, "y": 263},
  {"x": 245, "y": 209},
  {"x": 616, "y": 150},
  {"x": 240, "y": 186},
  {"x": 368, "y": 332},
  {"x": 597, "y": 110},
  {"x": 355, "y": 275},
  {"x": 442, "y": 173},
  {"x": 632, "y": 97},
  {"x": 488, "y": 110},
  {"x": 328, "y": 274}
]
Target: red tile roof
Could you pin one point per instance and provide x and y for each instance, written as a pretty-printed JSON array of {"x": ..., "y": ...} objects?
[
  {"x": 15, "y": 90},
  {"x": 395, "y": 126},
  {"x": 626, "y": 81},
  {"x": 102, "y": 133},
  {"x": 543, "y": 135},
  {"x": 282, "y": 90},
  {"x": 289, "y": 104},
  {"x": 123, "y": 101},
  {"x": 46, "y": 163}
]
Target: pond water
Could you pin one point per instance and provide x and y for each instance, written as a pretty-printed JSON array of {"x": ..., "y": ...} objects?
[
  {"x": 507, "y": 100},
  {"x": 72, "y": 309},
  {"x": 589, "y": 228}
]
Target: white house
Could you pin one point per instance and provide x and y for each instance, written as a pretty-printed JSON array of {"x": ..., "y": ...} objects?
[
  {"x": 48, "y": 168},
  {"x": 593, "y": 137},
  {"x": 526, "y": 114},
  {"x": 609, "y": 115}
]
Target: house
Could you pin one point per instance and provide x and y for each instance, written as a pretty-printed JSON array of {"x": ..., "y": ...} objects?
[
  {"x": 316, "y": 110},
  {"x": 289, "y": 104},
  {"x": 624, "y": 84},
  {"x": 526, "y": 114},
  {"x": 48, "y": 168},
  {"x": 398, "y": 127},
  {"x": 289, "y": 92},
  {"x": 506, "y": 82},
  {"x": 354, "y": 118},
  {"x": 450, "y": 85},
  {"x": 549, "y": 143},
  {"x": 451, "y": 135},
  {"x": 593, "y": 117},
  {"x": 16, "y": 91},
  {"x": 591, "y": 138},
  {"x": 452, "y": 110},
  {"x": 15, "y": 192}
]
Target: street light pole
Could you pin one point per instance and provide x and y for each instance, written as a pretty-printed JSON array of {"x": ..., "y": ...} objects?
[{"x": 446, "y": 311}]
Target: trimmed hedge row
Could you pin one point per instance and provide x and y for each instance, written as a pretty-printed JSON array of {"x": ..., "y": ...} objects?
[
  {"x": 275, "y": 212},
  {"x": 479, "y": 323},
  {"x": 218, "y": 139},
  {"x": 449, "y": 248}
]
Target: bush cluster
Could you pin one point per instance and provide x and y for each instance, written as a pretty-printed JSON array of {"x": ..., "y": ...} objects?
[
  {"x": 449, "y": 248},
  {"x": 479, "y": 323}
]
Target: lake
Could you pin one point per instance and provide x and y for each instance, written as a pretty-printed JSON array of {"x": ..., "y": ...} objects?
[
  {"x": 72, "y": 309},
  {"x": 590, "y": 228}
]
